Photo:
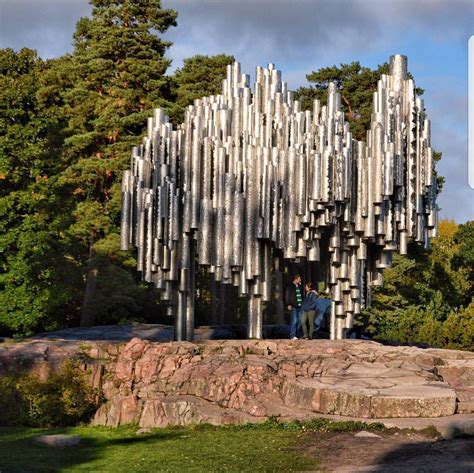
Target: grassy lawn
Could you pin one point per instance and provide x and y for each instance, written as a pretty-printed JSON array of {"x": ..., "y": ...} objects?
[{"x": 171, "y": 449}]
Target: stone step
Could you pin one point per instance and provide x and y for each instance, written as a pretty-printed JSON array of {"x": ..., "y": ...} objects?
[{"x": 429, "y": 400}]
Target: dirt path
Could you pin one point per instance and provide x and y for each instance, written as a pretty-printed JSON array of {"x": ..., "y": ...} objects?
[{"x": 392, "y": 453}]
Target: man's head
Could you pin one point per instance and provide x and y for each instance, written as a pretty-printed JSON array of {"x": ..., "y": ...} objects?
[{"x": 297, "y": 279}]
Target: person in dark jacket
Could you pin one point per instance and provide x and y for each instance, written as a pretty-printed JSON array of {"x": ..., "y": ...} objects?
[
  {"x": 308, "y": 311},
  {"x": 293, "y": 302}
]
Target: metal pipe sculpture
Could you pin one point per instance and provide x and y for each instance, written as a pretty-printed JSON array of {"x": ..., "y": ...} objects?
[{"x": 249, "y": 181}]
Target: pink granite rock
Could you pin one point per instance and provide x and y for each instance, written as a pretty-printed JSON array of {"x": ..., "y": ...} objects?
[{"x": 162, "y": 383}]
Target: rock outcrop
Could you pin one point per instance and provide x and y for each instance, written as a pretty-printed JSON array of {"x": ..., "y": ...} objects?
[{"x": 229, "y": 381}]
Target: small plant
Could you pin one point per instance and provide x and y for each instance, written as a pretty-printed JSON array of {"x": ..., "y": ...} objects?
[
  {"x": 84, "y": 352},
  {"x": 313, "y": 425},
  {"x": 63, "y": 399},
  {"x": 248, "y": 351},
  {"x": 431, "y": 432}
]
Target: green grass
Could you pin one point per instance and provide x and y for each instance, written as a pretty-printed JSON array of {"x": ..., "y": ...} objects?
[
  {"x": 271, "y": 446},
  {"x": 184, "y": 450}
]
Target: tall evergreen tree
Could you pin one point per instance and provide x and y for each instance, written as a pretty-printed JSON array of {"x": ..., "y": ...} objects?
[
  {"x": 118, "y": 71},
  {"x": 199, "y": 77},
  {"x": 356, "y": 84}
]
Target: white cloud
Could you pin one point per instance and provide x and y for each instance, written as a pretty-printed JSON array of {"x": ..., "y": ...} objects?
[
  {"x": 300, "y": 36},
  {"x": 44, "y": 25}
]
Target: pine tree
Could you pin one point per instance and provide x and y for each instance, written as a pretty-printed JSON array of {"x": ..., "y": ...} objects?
[
  {"x": 117, "y": 71},
  {"x": 200, "y": 76},
  {"x": 356, "y": 85}
]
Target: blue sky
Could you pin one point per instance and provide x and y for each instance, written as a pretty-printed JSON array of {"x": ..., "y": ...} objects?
[{"x": 300, "y": 36}]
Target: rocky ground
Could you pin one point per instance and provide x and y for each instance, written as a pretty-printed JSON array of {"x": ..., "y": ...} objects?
[{"x": 157, "y": 383}]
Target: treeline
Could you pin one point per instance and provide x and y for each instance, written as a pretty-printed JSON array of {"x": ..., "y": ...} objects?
[
  {"x": 67, "y": 126},
  {"x": 427, "y": 296},
  {"x": 67, "y": 129}
]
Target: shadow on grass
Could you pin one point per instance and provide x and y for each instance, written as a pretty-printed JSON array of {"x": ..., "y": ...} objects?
[
  {"x": 18, "y": 453},
  {"x": 442, "y": 456}
]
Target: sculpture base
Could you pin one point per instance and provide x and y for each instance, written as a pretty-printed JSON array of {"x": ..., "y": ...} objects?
[{"x": 223, "y": 381}]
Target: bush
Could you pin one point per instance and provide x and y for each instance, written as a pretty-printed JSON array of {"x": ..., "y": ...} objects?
[
  {"x": 13, "y": 407},
  {"x": 457, "y": 331},
  {"x": 427, "y": 296},
  {"x": 63, "y": 399},
  {"x": 423, "y": 325}
]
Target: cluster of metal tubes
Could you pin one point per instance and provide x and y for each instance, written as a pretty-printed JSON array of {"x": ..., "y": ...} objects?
[{"x": 250, "y": 181}]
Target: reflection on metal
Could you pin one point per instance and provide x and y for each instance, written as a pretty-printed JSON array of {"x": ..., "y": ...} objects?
[{"x": 249, "y": 179}]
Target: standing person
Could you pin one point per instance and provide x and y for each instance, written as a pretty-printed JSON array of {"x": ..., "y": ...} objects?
[
  {"x": 308, "y": 311},
  {"x": 293, "y": 302}
]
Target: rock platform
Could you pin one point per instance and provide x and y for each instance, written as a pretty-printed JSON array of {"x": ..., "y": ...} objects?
[{"x": 158, "y": 383}]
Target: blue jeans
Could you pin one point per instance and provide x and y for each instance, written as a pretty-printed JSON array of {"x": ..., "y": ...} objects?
[
  {"x": 318, "y": 320},
  {"x": 296, "y": 314}
]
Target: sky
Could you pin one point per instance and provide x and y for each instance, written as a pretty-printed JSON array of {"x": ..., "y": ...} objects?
[{"x": 300, "y": 36}]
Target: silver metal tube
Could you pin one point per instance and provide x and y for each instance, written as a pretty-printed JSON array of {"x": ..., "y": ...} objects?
[{"x": 249, "y": 173}]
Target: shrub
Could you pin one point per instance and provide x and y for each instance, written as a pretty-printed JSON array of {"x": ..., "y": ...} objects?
[
  {"x": 13, "y": 407},
  {"x": 423, "y": 325},
  {"x": 457, "y": 331},
  {"x": 63, "y": 399}
]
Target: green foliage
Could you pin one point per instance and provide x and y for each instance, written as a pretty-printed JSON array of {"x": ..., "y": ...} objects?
[
  {"x": 200, "y": 76},
  {"x": 13, "y": 406},
  {"x": 463, "y": 260},
  {"x": 312, "y": 425},
  {"x": 427, "y": 296},
  {"x": 67, "y": 129},
  {"x": 63, "y": 398},
  {"x": 33, "y": 260},
  {"x": 23, "y": 131},
  {"x": 118, "y": 76},
  {"x": 356, "y": 84},
  {"x": 422, "y": 325},
  {"x": 457, "y": 331},
  {"x": 118, "y": 298}
]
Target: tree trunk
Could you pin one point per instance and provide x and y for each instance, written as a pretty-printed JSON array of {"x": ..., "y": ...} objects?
[
  {"x": 87, "y": 315},
  {"x": 351, "y": 115}
]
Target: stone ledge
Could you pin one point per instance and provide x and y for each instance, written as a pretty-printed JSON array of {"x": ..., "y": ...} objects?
[
  {"x": 429, "y": 400},
  {"x": 245, "y": 380}
]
